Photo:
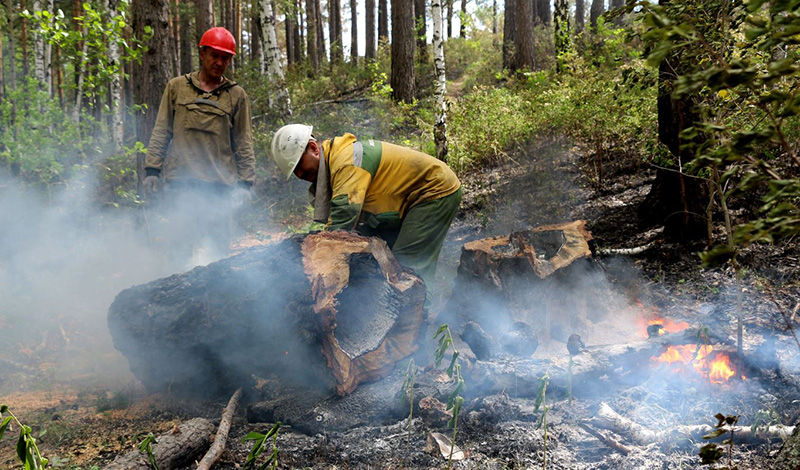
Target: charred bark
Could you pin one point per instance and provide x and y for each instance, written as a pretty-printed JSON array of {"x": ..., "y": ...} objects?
[
  {"x": 176, "y": 449},
  {"x": 325, "y": 311}
]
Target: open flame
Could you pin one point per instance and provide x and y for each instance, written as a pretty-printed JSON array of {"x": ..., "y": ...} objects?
[{"x": 715, "y": 365}]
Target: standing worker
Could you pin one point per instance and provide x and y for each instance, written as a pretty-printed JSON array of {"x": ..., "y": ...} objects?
[
  {"x": 405, "y": 197},
  {"x": 200, "y": 156}
]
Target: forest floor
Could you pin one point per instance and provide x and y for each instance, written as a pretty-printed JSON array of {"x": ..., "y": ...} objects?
[{"x": 547, "y": 181}]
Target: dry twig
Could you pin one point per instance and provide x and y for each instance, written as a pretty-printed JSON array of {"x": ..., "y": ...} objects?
[{"x": 216, "y": 449}]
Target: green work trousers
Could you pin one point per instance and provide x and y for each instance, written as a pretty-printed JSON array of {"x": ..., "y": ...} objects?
[{"x": 419, "y": 240}]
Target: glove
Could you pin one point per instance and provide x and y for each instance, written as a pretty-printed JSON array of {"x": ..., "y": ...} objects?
[
  {"x": 241, "y": 197},
  {"x": 151, "y": 185}
]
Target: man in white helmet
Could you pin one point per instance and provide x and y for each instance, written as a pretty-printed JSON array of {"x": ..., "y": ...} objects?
[{"x": 405, "y": 197}]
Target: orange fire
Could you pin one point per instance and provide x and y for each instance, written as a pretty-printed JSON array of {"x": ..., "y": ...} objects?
[{"x": 717, "y": 366}]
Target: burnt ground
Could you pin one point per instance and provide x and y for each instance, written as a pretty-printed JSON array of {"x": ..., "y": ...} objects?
[{"x": 548, "y": 181}]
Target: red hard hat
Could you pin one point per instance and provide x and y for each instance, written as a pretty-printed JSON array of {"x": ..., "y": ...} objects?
[{"x": 219, "y": 38}]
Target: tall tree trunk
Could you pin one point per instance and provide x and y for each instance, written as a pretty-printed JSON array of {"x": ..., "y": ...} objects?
[
  {"x": 115, "y": 87},
  {"x": 462, "y": 33},
  {"x": 561, "y": 31},
  {"x": 420, "y": 29},
  {"x": 320, "y": 32},
  {"x": 597, "y": 8},
  {"x": 289, "y": 26},
  {"x": 151, "y": 75},
  {"x": 174, "y": 42},
  {"x": 616, "y": 5},
  {"x": 524, "y": 50},
  {"x": 298, "y": 37},
  {"x": 403, "y": 42},
  {"x": 494, "y": 16},
  {"x": 509, "y": 34},
  {"x": 383, "y": 22},
  {"x": 369, "y": 26},
  {"x": 354, "y": 31},
  {"x": 80, "y": 74},
  {"x": 335, "y": 30},
  {"x": 23, "y": 40},
  {"x": 440, "y": 127},
  {"x": 12, "y": 44},
  {"x": 256, "y": 34},
  {"x": 2, "y": 76},
  {"x": 204, "y": 18},
  {"x": 58, "y": 75},
  {"x": 43, "y": 50},
  {"x": 185, "y": 38},
  {"x": 543, "y": 11},
  {"x": 580, "y": 15},
  {"x": 237, "y": 24},
  {"x": 311, "y": 34},
  {"x": 272, "y": 60},
  {"x": 449, "y": 19}
]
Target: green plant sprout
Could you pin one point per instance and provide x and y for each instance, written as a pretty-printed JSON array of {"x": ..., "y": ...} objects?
[
  {"x": 408, "y": 393},
  {"x": 711, "y": 454},
  {"x": 455, "y": 400},
  {"x": 146, "y": 447},
  {"x": 258, "y": 447},
  {"x": 27, "y": 450},
  {"x": 541, "y": 402}
]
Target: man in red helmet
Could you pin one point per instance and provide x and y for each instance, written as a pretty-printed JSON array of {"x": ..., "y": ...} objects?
[{"x": 200, "y": 157}]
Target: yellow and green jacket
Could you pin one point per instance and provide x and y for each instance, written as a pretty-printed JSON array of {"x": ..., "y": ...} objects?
[
  {"x": 202, "y": 136},
  {"x": 377, "y": 183}
]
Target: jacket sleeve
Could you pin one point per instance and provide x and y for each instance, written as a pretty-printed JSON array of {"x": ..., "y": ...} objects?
[
  {"x": 162, "y": 132},
  {"x": 350, "y": 185},
  {"x": 242, "y": 138}
]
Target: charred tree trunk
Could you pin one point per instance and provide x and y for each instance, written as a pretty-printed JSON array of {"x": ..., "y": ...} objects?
[
  {"x": 509, "y": 34},
  {"x": 524, "y": 47},
  {"x": 403, "y": 41},
  {"x": 325, "y": 311},
  {"x": 369, "y": 26},
  {"x": 172, "y": 450}
]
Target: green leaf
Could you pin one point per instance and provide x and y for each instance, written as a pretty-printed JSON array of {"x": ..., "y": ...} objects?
[
  {"x": 4, "y": 426},
  {"x": 754, "y": 5},
  {"x": 715, "y": 434},
  {"x": 752, "y": 33},
  {"x": 21, "y": 446},
  {"x": 3, "y": 408},
  {"x": 252, "y": 436}
]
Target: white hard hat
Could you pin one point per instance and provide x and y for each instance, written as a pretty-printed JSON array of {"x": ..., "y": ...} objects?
[{"x": 288, "y": 146}]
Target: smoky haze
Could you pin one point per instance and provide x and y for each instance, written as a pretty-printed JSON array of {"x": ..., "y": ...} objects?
[{"x": 63, "y": 259}]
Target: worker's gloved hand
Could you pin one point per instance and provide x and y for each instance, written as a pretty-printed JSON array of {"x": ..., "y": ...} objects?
[
  {"x": 151, "y": 185},
  {"x": 241, "y": 196}
]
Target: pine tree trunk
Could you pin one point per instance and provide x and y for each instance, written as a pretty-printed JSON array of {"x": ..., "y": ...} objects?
[
  {"x": 403, "y": 42},
  {"x": 449, "y": 19},
  {"x": 440, "y": 128},
  {"x": 289, "y": 27},
  {"x": 335, "y": 30},
  {"x": 494, "y": 17},
  {"x": 256, "y": 54},
  {"x": 204, "y": 18},
  {"x": 509, "y": 34},
  {"x": 354, "y": 31},
  {"x": 524, "y": 47},
  {"x": 23, "y": 40},
  {"x": 311, "y": 34},
  {"x": 543, "y": 11},
  {"x": 463, "y": 29},
  {"x": 616, "y": 5},
  {"x": 2, "y": 77},
  {"x": 369, "y": 26},
  {"x": 174, "y": 47},
  {"x": 580, "y": 15},
  {"x": 597, "y": 9},
  {"x": 81, "y": 77},
  {"x": 187, "y": 46},
  {"x": 298, "y": 37},
  {"x": 420, "y": 30},
  {"x": 237, "y": 24},
  {"x": 383, "y": 22},
  {"x": 561, "y": 31},
  {"x": 320, "y": 32},
  {"x": 272, "y": 60},
  {"x": 12, "y": 44},
  {"x": 150, "y": 77}
]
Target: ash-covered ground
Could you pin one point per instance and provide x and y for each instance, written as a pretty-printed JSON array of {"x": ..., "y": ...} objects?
[{"x": 517, "y": 426}]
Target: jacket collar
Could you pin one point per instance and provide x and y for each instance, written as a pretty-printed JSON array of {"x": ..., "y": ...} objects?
[{"x": 194, "y": 80}]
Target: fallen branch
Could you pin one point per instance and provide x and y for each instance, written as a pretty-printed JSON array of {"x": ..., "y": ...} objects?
[
  {"x": 609, "y": 419},
  {"x": 216, "y": 449},
  {"x": 621, "y": 448},
  {"x": 175, "y": 449},
  {"x": 637, "y": 250}
]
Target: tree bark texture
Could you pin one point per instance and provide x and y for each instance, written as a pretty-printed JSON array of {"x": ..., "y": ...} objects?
[
  {"x": 204, "y": 18},
  {"x": 462, "y": 30},
  {"x": 509, "y": 33},
  {"x": 256, "y": 53},
  {"x": 420, "y": 30},
  {"x": 311, "y": 35},
  {"x": 12, "y": 42},
  {"x": 595, "y": 10},
  {"x": 616, "y": 5},
  {"x": 354, "y": 31},
  {"x": 449, "y": 19},
  {"x": 383, "y": 21},
  {"x": 115, "y": 86},
  {"x": 561, "y": 31},
  {"x": 42, "y": 51},
  {"x": 440, "y": 127},
  {"x": 580, "y": 15},
  {"x": 2, "y": 76},
  {"x": 403, "y": 42},
  {"x": 335, "y": 30},
  {"x": 323, "y": 55},
  {"x": 272, "y": 66},
  {"x": 172, "y": 450},
  {"x": 187, "y": 46},
  {"x": 297, "y": 37},
  {"x": 324, "y": 311},
  {"x": 369, "y": 26},
  {"x": 218, "y": 446},
  {"x": 542, "y": 11},
  {"x": 524, "y": 47}
]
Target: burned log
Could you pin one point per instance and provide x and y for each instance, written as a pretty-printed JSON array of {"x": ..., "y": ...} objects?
[
  {"x": 325, "y": 311},
  {"x": 518, "y": 286},
  {"x": 175, "y": 449}
]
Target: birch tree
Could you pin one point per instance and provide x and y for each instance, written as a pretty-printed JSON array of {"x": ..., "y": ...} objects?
[
  {"x": 440, "y": 128},
  {"x": 41, "y": 46},
  {"x": 271, "y": 64},
  {"x": 115, "y": 86}
]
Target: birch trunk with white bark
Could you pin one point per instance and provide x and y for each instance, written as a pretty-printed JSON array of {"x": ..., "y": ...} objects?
[
  {"x": 43, "y": 50},
  {"x": 440, "y": 128},
  {"x": 115, "y": 87},
  {"x": 271, "y": 65}
]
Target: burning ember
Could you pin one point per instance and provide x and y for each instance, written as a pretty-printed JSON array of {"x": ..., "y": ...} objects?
[
  {"x": 657, "y": 326},
  {"x": 715, "y": 365}
]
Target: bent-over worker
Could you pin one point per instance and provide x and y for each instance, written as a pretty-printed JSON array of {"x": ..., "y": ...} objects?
[{"x": 403, "y": 196}]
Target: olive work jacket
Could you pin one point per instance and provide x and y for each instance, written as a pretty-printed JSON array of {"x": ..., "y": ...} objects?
[
  {"x": 202, "y": 136},
  {"x": 377, "y": 183}
]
